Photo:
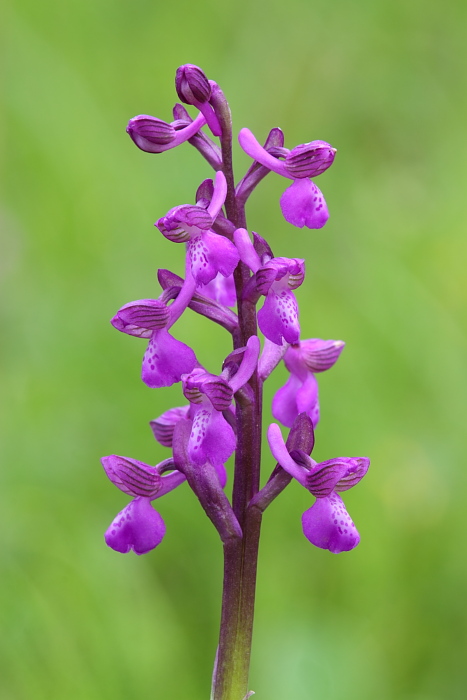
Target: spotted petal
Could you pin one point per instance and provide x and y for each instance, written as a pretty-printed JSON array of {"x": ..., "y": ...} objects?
[
  {"x": 278, "y": 318},
  {"x": 166, "y": 359},
  {"x": 328, "y": 525},
  {"x": 138, "y": 527},
  {"x": 211, "y": 439},
  {"x": 303, "y": 204},
  {"x": 211, "y": 254}
]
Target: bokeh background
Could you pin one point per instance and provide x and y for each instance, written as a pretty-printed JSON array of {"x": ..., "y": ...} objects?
[{"x": 382, "y": 81}]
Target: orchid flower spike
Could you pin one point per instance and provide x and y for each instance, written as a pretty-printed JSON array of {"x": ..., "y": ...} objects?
[
  {"x": 326, "y": 524},
  {"x": 300, "y": 393},
  {"x": 138, "y": 526},
  {"x": 302, "y": 203},
  {"x": 208, "y": 252},
  {"x": 212, "y": 439},
  {"x": 153, "y": 135}
]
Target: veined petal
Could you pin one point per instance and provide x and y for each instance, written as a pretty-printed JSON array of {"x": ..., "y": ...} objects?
[
  {"x": 303, "y": 204},
  {"x": 319, "y": 355},
  {"x": 328, "y": 525},
  {"x": 138, "y": 527},
  {"x": 140, "y": 318},
  {"x": 163, "y": 426},
  {"x": 358, "y": 467},
  {"x": 166, "y": 359},
  {"x": 131, "y": 476},
  {"x": 211, "y": 439},
  {"x": 323, "y": 477},
  {"x": 278, "y": 318}
]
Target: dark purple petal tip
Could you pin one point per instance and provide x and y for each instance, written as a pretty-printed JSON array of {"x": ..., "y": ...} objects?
[
  {"x": 192, "y": 84},
  {"x": 357, "y": 468},
  {"x": 132, "y": 477},
  {"x": 140, "y": 318},
  {"x": 149, "y": 132},
  {"x": 320, "y": 355},
  {"x": 310, "y": 159}
]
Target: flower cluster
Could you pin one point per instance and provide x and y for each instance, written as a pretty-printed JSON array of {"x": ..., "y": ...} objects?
[{"x": 226, "y": 266}]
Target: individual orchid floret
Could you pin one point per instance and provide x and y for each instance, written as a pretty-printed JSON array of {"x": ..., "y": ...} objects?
[
  {"x": 166, "y": 358},
  {"x": 275, "y": 278},
  {"x": 153, "y": 135},
  {"x": 326, "y": 524},
  {"x": 212, "y": 439},
  {"x": 138, "y": 526},
  {"x": 302, "y": 203},
  {"x": 208, "y": 252},
  {"x": 194, "y": 88},
  {"x": 278, "y": 317},
  {"x": 300, "y": 393}
]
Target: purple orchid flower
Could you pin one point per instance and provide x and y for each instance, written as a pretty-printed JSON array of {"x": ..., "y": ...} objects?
[
  {"x": 302, "y": 203},
  {"x": 166, "y": 358},
  {"x": 138, "y": 526},
  {"x": 212, "y": 439},
  {"x": 300, "y": 393},
  {"x": 194, "y": 88},
  {"x": 275, "y": 278},
  {"x": 153, "y": 135},
  {"x": 208, "y": 252},
  {"x": 326, "y": 524}
]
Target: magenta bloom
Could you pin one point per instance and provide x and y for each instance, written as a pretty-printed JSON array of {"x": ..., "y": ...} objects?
[
  {"x": 212, "y": 439},
  {"x": 153, "y": 135},
  {"x": 278, "y": 317},
  {"x": 208, "y": 252},
  {"x": 326, "y": 524},
  {"x": 302, "y": 203},
  {"x": 300, "y": 393},
  {"x": 166, "y": 358},
  {"x": 138, "y": 526}
]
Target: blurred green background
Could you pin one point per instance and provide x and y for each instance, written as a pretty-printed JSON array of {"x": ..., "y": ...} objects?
[{"x": 382, "y": 81}]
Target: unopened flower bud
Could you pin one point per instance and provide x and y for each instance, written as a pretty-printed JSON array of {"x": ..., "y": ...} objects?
[
  {"x": 149, "y": 132},
  {"x": 309, "y": 159},
  {"x": 192, "y": 85}
]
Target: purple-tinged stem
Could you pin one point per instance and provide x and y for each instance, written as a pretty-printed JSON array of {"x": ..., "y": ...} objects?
[{"x": 230, "y": 680}]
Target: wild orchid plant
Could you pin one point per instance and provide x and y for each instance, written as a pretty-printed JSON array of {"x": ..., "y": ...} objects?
[{"x": 224, "y": 268}]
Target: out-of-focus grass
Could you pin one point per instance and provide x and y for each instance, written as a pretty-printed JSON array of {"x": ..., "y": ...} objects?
[{"x": 384, "y": 83}]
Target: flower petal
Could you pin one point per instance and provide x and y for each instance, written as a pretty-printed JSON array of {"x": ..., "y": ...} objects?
[
  {"x": 138, "y": 526},
  {"x": 163, "y": 426},
  {"x": 303, "y": 204},
  {"x": 166, "y": 359},
  {"x": 307, "y": 398},
  {"x": 356, "y": 471},
  {"x": 140, "y": 318},
  {"x": 212, "y": 438},
  {"x": 284, "y": 403},
  {"x": 278, "y": 318},
  {"x": 221, "y": 289},
  {"x": 328, "y": 525},
  {"x": 210, "y": 254},
  {"x": 132, "y": 477},
  {"x": 323, "y": 477}
]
